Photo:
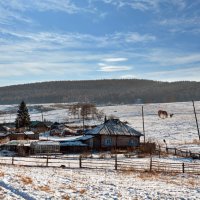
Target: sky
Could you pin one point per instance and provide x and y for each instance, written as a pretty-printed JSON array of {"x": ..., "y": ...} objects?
[{"x": 48, "y": 40}]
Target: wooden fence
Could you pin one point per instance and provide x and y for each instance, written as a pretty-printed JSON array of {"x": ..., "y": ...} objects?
[
  {"x": 177, "y": 152},
  {"x": 131, "y": 164}
]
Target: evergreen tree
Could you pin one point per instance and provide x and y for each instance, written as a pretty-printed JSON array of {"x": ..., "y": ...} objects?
[{"x": 23, "y": 117}]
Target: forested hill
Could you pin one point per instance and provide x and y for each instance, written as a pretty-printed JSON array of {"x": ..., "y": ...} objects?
[{"x": 101, "y": 92}]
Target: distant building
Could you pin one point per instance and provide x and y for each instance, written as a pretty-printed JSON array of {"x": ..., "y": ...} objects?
[
  {"x": 38, "y": 126},
  {"x": 45, "y": 147},
  {"x": 3, "y": 129}
]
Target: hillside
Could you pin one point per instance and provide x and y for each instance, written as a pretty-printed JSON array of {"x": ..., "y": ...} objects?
[{"x": 101, "y": 92}]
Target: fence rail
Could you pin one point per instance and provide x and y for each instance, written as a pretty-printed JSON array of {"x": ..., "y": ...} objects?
[
  {"x": 97, "y": 163},
  {"x": 177, "y": 152}
]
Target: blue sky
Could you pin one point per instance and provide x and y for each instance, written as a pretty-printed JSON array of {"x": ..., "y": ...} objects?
[{"x": 44, "y": 40}]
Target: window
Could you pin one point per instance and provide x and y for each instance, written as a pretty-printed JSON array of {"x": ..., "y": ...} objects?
[
  {"x": 108, "y": 142},
  {"x": 132, "y": 142}
]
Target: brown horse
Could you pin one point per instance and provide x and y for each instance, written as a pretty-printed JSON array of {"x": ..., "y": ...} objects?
[{"x": 162, "y": 114}]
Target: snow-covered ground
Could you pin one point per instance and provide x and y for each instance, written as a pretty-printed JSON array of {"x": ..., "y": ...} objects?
[
  {"x": 17, "y": 182},
  {"x": 50, "y": 183},
  {"x": 180, "y": 129}
]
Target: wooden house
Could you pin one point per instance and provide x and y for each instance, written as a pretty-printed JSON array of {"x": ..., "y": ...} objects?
[
  {"x": 3, "y": 129},
  {"x": 38, "y": 126},
  {"x": 26, "y": 135},
  {"x": 20, "y": 147},
  {"x": 113, "y": 134},
  {"x": 4, "y": 138}
]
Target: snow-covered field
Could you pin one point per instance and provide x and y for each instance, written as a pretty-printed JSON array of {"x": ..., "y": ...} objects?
[
  {"x": 180, "y": 129},
  {"x": 17, "y": 182},
  {"x": 50, "y": 183}
]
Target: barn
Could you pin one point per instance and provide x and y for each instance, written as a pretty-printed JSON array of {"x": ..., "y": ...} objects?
[{"x": 113, "y": 134}]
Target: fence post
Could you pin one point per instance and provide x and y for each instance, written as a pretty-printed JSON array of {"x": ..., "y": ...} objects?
[
  {"x": 159, "y": 151},
  {"x": 175, "y": 151},
  {"x": 183, "y": 168},
  {"x": 115, "y": 161},
  {"x": 150, "y": 164},
  {"x": 13, "y": 160},
  {"x": 47, "y": 161},
  {"x": 80, "y": 162}
]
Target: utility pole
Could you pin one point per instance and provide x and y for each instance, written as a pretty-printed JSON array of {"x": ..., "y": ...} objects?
[
  {"x": 143, "y": 122},
  {"x": 196, "y": 119},
  {"x": 83, "y": 122},
  {"x": 42, "y": 116}
]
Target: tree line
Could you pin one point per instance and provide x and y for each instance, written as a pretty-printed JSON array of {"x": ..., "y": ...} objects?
[{"x": 101, "y": 92}]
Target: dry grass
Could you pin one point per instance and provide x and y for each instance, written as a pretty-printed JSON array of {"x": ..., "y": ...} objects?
[
  {"x": 148, "y": 175},
  {"x": 71, "y": 188},
  {"x": 192, "y": 182},
  {"x": 195, "y": 141},
  {"x": 26, "y": 180},
  {"x": 82, "y": 191},
  {"x": 2, "y": 174},
  {"x": 128, "y": 171},
  {"x": 66, "y": 197},
  {"x": 86, "y": 155},
  {"x": 45, "y": 188}
]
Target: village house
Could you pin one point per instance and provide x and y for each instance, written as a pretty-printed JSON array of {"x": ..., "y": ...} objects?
[
  {"x": 3, "y": 129},
  {"x": 26, "y": 135},
  {"x": 113, "y": 134},
  {"x": 39, "y": 127}
]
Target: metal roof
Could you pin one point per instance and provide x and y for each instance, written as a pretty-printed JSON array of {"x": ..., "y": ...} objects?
[{"x": 114, "y": 127}]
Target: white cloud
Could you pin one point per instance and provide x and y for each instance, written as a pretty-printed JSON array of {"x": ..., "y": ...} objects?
[
  {"x": 114, "y": 59},
  {"x": 108, "y": 68}
]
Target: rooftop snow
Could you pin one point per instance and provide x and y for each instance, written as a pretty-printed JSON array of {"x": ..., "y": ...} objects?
[
  {"x": 114, "y": 127},
  {"x": 70, "y": 138}
]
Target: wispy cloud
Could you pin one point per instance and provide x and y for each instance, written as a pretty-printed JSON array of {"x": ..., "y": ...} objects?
[
  {"x": 144, "y": 5},
  {"x": 133, "y": 37},
  {"x": 182, "y": 24},
  {"x": 108, "y": 68},
  {"x": 189, "y": 74},
  {"x": 16, "y": 9},
  {"x": 114, "y": 59},
  {"x": 75, "y": 40},
  {"x": 167, "y": 58},
  {"x": 67, "y": 6}
]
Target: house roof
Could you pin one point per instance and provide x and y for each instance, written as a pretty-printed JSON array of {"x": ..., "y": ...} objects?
[
  {"x": 114, "y": 127},
  {"x": 46, "y": 143},
  {"x": 73, "y": 143},
  {"x": 3, "y": 128},
  {"x": 67, "y": 139},
  {"x": 37, "y": 123}
]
